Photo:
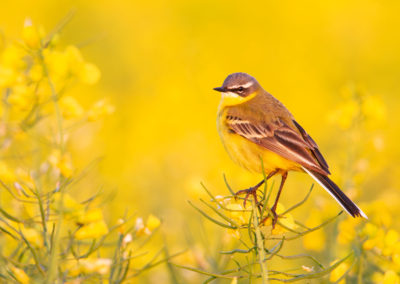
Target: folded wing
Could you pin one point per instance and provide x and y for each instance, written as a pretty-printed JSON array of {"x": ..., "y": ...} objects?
[{"x": 277, "y": 136}]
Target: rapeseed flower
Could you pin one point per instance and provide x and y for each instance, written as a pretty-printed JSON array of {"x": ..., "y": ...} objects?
[
  {"x": 62, "y": 162},
  {"x": 70, "y": 107},
  {"x": 32, "y": 35},
  {"x": 6, "y": 174},
  {"x": 20, "y": 275},
  {"x": 286, "y": 220},
  {"x": 32, "y": 235},
  {"x": 338, "y": 272},
  {"x": 63, "y": 202},
  {"x": 152, "y": 222},
  {"x": 22, "y": 97},
  {"x": 316, "y": 240},
  {"x": 90, "y": 216},
  {"x": 92, "y": 230},
  {"x": 95, "y": 265}
]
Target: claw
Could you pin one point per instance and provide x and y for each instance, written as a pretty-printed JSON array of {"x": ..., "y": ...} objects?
[
  {"x": 274, "y": 218},
  {"x": 250, "y": 191}
]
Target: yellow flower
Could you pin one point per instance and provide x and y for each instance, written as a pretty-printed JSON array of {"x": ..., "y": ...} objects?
[
  {"x": 90, "y": 216},
  {"x": 140, "y": 228},
  {"x": 99, "y": 109},
  {"x": 20, "y": 275},
  {"x": 36, "y": 73},
  {"x": 70, "y": 63},
  {"x": 92, "y": 230},
  {"x": 396, "y": 259},
  {"x": 65, "y": 203},
  {"x": 6, "y": 174},
  {"x": 234, "y": 234},
  {"x": 70, "y": 107},
  {"x": 22, "y": 97},
  {"x": 316, "y": 240},
  {"x": 374, "y": 110},
  {"x": 31, "y": 35},
  {"x": 377, "y": 242},
  {"x": 345, "y": 115},
  {"x": 95, "y": 265},
  {"x": 152, "y": 222},
  {"x": 7, "y": 76},
  {"x": 238, "y": 213},
  {"x": 13, "y": 57},
  {"x": 74, "y": 59},
  {"x": 390, "y": 242},
  {"x": 32, "y": 236},
  {"x": 391, "y": 238},
  {"x": 62, "y": 162},
  {"x": 89, "y": 74},
  {"x": 57, "y": 63},
  {"x": 25, "y": 178},
  {"x": 338, "y": 272},
  {"x": 121, "y": 226},
  {"x": 347, "y": 230},
  {"x": 71, "y": 265},
  {"x": 370, "y": 230},
  {"x": 391, "y": 277},
  {"x": 380, "y": 214},
  {"x": 369, "y": 244},
  {"x": 377, "y": 277},
  {"x": 286, "y": 220}
]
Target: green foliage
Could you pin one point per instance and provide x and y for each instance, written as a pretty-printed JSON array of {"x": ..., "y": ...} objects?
[{"x": 47, "y": 236}]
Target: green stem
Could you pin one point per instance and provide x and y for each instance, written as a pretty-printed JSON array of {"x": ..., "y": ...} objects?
[
  {"x": 260, "y": 246},
  {"x": 54, "y": 98}
]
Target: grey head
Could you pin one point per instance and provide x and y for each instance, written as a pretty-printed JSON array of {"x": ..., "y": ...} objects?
[{"x": 241, "y": 84}]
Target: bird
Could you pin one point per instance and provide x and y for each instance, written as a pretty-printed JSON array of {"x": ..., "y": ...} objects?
[{"x": 260, "y": 134}]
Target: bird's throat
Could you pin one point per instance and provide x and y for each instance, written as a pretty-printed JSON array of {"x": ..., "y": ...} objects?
[{"x": 231, "y": 99}]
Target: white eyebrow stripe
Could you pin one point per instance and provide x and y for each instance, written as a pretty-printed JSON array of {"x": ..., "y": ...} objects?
[{"x": 248, "y": 84}]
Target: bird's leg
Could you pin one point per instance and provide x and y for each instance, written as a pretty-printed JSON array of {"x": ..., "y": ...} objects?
[
  {"x": 253, "y": 190},
  {"x": 273, "y": 209}
]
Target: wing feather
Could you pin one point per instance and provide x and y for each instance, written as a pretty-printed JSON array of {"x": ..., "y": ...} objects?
[
  {"x": 280, "y": 138},
  {"x": 313, "y": 147}
]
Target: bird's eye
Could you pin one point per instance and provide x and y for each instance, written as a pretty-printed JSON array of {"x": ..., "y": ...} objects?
[{"x": 240, "y": 89}]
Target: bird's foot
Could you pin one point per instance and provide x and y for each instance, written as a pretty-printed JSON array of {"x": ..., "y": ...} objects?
[
  {"x": 250, "y": 191},
  {"x": 274, "y": 218},
  {"x": 273, "y": 215}
]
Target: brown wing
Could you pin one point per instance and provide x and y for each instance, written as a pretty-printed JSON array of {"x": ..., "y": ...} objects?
[
  {"x": 281, "y": 139},
  {"x": 313, "y": 147}
]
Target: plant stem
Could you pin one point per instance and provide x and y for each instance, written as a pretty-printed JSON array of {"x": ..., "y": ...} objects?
[{"x": 260, "y": 246}]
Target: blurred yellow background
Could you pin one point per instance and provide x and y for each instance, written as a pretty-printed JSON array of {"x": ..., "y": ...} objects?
[{"x": 160, "y": 60}]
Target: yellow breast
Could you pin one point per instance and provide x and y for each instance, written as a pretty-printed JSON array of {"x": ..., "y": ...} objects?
[{"x": 248, "y": 154}]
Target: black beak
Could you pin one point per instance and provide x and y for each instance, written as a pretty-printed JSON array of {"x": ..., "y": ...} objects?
[{"x": 220, "y": 89}]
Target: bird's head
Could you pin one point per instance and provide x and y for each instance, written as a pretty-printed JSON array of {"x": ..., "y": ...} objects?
[{"x": 238, "y": 88}]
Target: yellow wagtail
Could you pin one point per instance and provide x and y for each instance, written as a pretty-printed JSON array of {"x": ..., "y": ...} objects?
[{"x": 255, "y": 126}]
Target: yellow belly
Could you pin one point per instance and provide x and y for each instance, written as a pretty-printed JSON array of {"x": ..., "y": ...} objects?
[{"x": 249, "y": 155}]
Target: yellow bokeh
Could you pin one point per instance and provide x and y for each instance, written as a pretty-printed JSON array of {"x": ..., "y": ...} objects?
[{"x": 140, "y": 75}]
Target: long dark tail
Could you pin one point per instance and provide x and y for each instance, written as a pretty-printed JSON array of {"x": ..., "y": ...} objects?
[{"x": 335, "y": 191}]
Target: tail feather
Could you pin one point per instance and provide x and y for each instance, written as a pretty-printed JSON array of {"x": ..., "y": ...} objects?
[{"x": 336, "y": 193}]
